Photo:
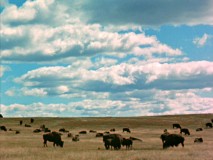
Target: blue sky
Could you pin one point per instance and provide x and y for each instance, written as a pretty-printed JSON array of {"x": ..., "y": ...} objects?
[{"x": 91, "y": 58}]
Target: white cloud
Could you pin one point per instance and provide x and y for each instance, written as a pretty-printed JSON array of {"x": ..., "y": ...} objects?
[
  {"x": 201, "y": 41},
  {"x": 4, "y": 69}
]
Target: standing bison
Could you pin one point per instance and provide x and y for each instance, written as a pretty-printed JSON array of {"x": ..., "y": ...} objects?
[
  {"x": 126, "y": 130},
  {"x": 176, "y": 125},
  {"x": 53, "y": 137},
  {"x": 172, "y": 140},
  {"x": 112, "y": 140},
  {"x": 185, "y": 131},
  {"x": 128, "y": 142}
]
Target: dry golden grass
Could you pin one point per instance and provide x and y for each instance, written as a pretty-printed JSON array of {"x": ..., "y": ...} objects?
[{"x": 29, "y": 146}]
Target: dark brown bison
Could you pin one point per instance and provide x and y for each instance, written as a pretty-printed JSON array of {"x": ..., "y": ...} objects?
[
  {"x": 83, "y": 132},
  {"x": 127, "y": 142},
  {"x": 112, "y": 140},
  {"x": 176, "y": 125},
  {"x": 31, "y": 120},
  {"x": 185, "y": 131},
  {"x": 17, "y": 132},
  {"x": 198, "y": 140},
  {"x": 27, "y": 125},
  {"x": 75, "y": 138},
  {"x": 99, "y": 134},
  {"x": 3, "y": 128},
  {"x": 92, "y": 131},
  {"x": 172, "y": 140},
  {"x": 37, "y": 130},
  {"x": 63, "y": 130},
  {"x": 126, "y": 130},
  {"x": 69, "y": 135},
  {"x": 47, "y": 130},
  {"x": 53, "y": 137},
  {"x": 199, "y": 129},
  {"x": 208, "y": 125},
  {"x": 163, "y": 136},
  {"x": 20, "y": 122},
  {"x": 112, "y": 130}
]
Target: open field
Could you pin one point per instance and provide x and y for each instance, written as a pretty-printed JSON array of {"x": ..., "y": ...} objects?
[{"x": 29, "y": 146}]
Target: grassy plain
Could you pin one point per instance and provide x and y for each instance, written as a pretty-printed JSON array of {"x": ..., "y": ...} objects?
[{"x": 29, "y": 146}]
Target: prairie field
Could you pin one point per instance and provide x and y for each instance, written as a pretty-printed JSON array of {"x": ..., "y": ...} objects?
[{"x": 29, "y": 146}]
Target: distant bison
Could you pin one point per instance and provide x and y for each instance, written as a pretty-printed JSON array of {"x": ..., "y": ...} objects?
[
  {"x": 31, "y": 120},
  {"x": 172, "y": 140},
  {"x": 20, "y": 122},
  {"x": 75, "y": 138},
  {"x": 37, "y": 130},
  {"x": 3, "y": 128},
  {"x": 53, "y": 137},
  {"x": 99, "y": 134},
  {"x": 27, "y": 125},
  {"x": 199, "y": 129},
  {"x": 112, "y": 140},
  {"x": 198, "y": 140},
  {"x": 83, "y": 132},
  {"x": 126, "y": 130},
  {"x": 69, "y": 135},
  {"x": 63, "y": 130},
  {"x": 17, "y": 132},
  {"x": 176, "y": 125},
  {"x": 208, "y": 125},
  {"x": 92, "y": 131},
  {"x": 47, "y": 130},
  {"x": 128, "y": 142},
  {"x": 112, "y": 130},
  {"x": 185, "y": 131}
]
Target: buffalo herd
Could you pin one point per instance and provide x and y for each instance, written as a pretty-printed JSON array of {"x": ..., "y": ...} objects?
[{"x": 114, "y": 140}]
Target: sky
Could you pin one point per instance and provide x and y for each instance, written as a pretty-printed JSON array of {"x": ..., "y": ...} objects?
[{"x": 114, "y": 58}]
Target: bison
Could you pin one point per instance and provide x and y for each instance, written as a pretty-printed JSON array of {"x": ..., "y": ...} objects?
[
  {"x": 83, "y": 132},
  {"x": 176, "y": 125},
  {"x": 198, "y": 140},
  {"x": 69, "y": 135},
  {"x": 92, "y": 131},
  {"x": 199, "y": 129},
  {"x": 31, "y": 120},
  {"x": 172, "y": 140},
  {"x": 27, "y": 125},
  {"x": 126, "y": 130},
  {"x": 3, "y": 128},
  {"x": 75, "y": 138},
  {"x": 20, "y": 122},
  {"x": 63, "y": 130},
  {"x": 112, "y": 130},
  {"x": 99, "y": 135},
  {"x": 208, "y": 125},
  {"x": 185, "y": 131},
  {"x": 128, "y": 142},
  {"x": 37, "y": 130},
  {"x": 53, "y": 137},
  {"x": 112, "y": 140}
]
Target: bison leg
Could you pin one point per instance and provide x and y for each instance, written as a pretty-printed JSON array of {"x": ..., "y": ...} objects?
[
  {"x": 45, "y": 143},
  {"x": 182, "y": 144}
]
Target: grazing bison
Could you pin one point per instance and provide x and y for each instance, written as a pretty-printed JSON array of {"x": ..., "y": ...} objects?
[
  {"x": 128, "y": 142},
  {"x": 63, "y": 130},
  {"x": 83, "y": 132},
  {"x": 20, "y": 122},
  {"x": 172, "y": 140},
  {"x": 198, "y": 140},
  {"x": 199, "y": 129},
  {"x": 53, "y": 137},
  {"x": 208, "y": 125},
  {"x": 17, "y": 132},
  {"x": 176, "y": 125},
  {"x": 47, "y": 130},
  {"x": 112, "y": 140},
  {"x": 37, "y": 130},
  {"x": 126, "y": 130},
  {"x": 92, "y": 131},
  {"x": 185, "y": 131},
  {"x": 27, "y": 125},
  {"x": 99, "y": 135},
  {"x": 3, "y": 128}
]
